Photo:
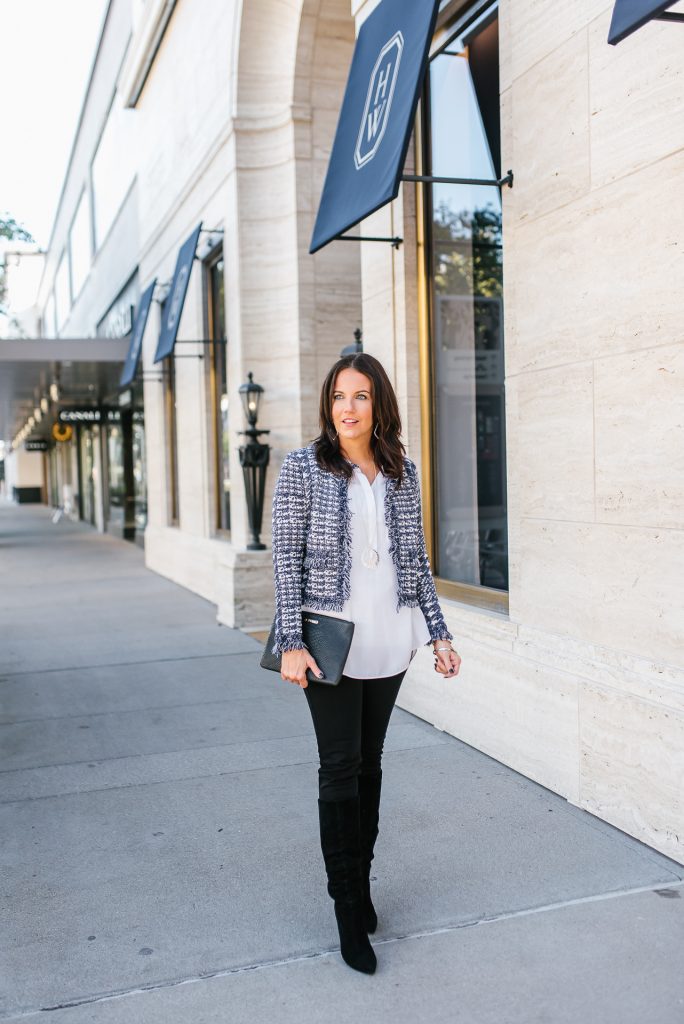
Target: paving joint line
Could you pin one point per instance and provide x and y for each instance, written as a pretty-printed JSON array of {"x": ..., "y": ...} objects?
[
  {"x": 142, "y": 711},
  {"x": 182, "y": 750},
  {"x": 8, "y": 674},
  {"x": 285, "y": 961},
  {"x": 181, "y": 778},
  {"x": 151, "y": 753}
]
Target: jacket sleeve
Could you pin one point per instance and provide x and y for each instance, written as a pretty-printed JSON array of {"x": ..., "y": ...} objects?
[
  {"x": 427, "y": 593},
  {"x": 288, "y": 524}
]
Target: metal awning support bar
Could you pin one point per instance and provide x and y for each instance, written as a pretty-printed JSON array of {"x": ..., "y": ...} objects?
[
  {"x": 669, "y": 16},
  {"x": 396, "y": 242},
  {"x": 429, "y": 179}
]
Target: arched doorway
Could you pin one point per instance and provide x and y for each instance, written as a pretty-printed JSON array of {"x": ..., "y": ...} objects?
[{"x": 291, "y": 312}]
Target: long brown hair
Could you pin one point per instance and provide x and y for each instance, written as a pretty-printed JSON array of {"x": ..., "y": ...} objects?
[{"x": 388, "y": 450}]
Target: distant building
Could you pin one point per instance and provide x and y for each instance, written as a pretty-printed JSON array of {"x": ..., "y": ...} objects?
[{"x": 22, "y": 264}]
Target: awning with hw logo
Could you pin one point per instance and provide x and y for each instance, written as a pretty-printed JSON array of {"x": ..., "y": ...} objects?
[
  {"x": 377, "y": 115},
  {"x": 173, "y": 307}
]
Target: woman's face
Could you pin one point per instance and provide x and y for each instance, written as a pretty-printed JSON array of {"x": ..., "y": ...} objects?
[{"x": 352, "y": 406}]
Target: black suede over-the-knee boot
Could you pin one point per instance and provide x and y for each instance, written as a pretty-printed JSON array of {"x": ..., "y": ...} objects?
[
  {"x": 369, "y": 810},
  {"x": 340, "y": 843}
]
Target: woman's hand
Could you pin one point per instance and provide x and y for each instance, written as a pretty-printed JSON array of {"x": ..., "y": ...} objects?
[
  {"x": 448, "y": 662},
  {"x": 293, "y": 666}
]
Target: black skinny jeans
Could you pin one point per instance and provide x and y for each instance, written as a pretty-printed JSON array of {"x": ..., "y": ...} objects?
[{"x": 350, "y": 721}]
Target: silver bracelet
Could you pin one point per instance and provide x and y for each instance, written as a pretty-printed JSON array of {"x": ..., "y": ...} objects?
[{"x": 435, "y": 649}]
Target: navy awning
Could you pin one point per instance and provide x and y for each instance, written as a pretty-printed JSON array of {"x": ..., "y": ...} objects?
[
  {"x": 629, "y": 15},
  {"x": 173, "y": 306},
  {"x": 131, "y": 365},
  {"x": 377, "y": 115}
]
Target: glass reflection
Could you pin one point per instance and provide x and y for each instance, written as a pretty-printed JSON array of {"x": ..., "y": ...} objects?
[
  {"x": 466, "y": 274},
  {"x": 139, "y": 471},
  {"x": 220, "y": 355},
  {"x": 117, "y": 485}
]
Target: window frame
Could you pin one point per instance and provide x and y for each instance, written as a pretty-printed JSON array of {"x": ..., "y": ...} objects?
[
  {"x": 170, "y": 402},
  {"x": 84, "y": 198},
  {"x": 209, "y": 263},
  {"x": 453, "y": 20}
]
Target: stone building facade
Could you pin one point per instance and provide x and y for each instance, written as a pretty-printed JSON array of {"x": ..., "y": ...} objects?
[{"x": 533, "y": 335}]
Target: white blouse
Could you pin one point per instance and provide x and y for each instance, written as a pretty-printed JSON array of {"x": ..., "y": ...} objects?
[{"x": 385, "y": 640}]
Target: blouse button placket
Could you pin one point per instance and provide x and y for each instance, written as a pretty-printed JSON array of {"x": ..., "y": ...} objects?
[{"x": 370, "y": 554}]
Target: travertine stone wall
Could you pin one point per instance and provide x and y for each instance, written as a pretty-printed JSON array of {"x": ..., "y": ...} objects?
[
  {"x": 248, "y": 154},
  {"x": 581, "y": 686}
]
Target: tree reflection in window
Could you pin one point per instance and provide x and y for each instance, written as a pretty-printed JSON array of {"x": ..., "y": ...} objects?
[{"x": 465, "y": 267}]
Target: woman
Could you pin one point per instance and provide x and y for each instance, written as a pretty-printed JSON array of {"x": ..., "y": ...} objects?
[{"x": 348, "y": 541}]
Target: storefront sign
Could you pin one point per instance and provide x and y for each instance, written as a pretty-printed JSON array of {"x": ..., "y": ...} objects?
[
  {"x": 36, "y": 446},
  {"x": 377, "y": 115},
  {"x": 89, "y": 414},
  {"x": 116, "y": 323},
  {"x": 135, "y": 348},
  {"x": 173, "y": 307},
  {"x": 62, "y": 432},
  {"x": 84, "y": 415},
  {"x": 629, "y": 15}
]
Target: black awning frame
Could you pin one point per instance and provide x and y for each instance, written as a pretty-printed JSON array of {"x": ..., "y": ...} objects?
[
  {"x": 430, "y": 179},
  {"x": 639, "y": 20}
]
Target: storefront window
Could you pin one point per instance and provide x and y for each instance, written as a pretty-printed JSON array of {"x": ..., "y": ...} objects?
[
  {"x": 219, "y": 371},
  {"x": 126, "y": 497},
  {"x": 169, "y": 371},
  {"x": 116, "y": 481},
  {"x": 139, "y": 471},
  {"x": 87, "y": 474},
  {"x": 465, "y": 274},
  {"x": 54, "y": 477}
]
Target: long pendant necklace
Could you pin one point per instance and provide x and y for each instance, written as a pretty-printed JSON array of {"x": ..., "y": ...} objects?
[{"x": 370, "y": 556}]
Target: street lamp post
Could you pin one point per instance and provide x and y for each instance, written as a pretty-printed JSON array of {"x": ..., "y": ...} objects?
[{"x": 254, "y": 458}]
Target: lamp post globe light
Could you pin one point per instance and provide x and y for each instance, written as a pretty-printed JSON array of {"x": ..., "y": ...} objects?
[
  {"x": 351, "y": 350},
  {"x": 254, "y": 457}
]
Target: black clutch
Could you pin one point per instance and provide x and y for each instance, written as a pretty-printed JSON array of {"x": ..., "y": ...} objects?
[{"x": 328, "y": 639}]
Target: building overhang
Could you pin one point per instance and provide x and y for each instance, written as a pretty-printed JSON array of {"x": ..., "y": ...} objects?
[{"x": 78, "y": 370}]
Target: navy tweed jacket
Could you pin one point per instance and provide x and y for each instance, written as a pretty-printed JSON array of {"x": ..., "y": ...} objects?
[{"x": 311, "y": 525}]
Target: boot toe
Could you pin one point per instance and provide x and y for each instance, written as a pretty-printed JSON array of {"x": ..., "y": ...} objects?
[
  {"x": 363, "y": 960},
  {"x": 355, "y": 945}
]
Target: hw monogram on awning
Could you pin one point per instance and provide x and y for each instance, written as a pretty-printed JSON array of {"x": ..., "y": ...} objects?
[{"x": 377, "y": 115}]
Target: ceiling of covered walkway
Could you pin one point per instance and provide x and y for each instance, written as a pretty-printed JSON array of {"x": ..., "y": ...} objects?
[{"x": 86, "y": 371}]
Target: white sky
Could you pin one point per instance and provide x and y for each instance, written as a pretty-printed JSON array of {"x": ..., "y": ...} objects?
[{"x": 48, "y": 48}]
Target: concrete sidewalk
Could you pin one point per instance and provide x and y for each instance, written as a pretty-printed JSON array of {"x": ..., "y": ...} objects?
[{"x": 160, "y": 857}]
